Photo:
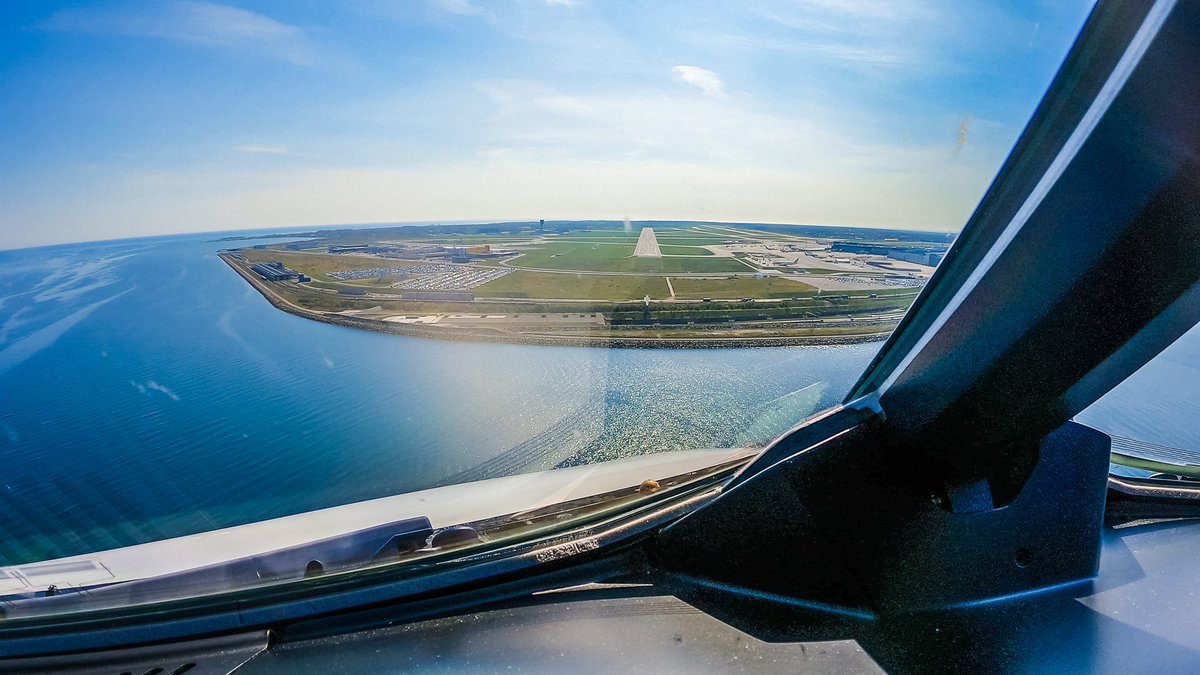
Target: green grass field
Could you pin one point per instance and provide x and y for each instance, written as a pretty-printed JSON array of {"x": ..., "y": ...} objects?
[
  {"x": 632, "y": 240},
  {"x": 677, "y": 237},
  {"x": 739, "y": 287},
  {"x": 668, "y": 249},
  {"x": 629, "y": 279},
  {"x": 319, "y": 265},
  {"x": 573, "y": 256},
  {"x": 573, "y": 286},
  {"x": 471, "y": 240},
  {"x": 599, "y": 287},
  {"x": 597, "y": 235},
  {"x": 691, "y": 241}
]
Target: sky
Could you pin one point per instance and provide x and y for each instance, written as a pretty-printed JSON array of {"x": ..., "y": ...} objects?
[{"x": 123, "y": 119}]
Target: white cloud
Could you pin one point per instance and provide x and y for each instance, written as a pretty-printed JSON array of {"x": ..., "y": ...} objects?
[
  {"x": 849, "y": 13},
  {"x": 934, "y": 192},
  {"x": 708, "y": 81},
  {"x": 262, "y": 149},
  {"x": 461, "y": 7},
  {"x": 566, "y": 154},
  {"x": 583, "y": 34},
  {"x": 877, "y": 18},
  {"x": 202, "y": 23},
  {"x": 868, "y": 36},
  {"x": 531, "y": 120}
]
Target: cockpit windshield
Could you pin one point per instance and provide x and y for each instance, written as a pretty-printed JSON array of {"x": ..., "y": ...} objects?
[{"x": 306, "y": 287}]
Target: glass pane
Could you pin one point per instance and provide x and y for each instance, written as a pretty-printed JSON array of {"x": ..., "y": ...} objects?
[
  {"x": 586, "y": 232},
  {"x": 1154, "y": 415}
]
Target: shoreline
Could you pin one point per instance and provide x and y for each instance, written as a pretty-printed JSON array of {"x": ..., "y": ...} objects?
[{"x": 465, "y": 334}]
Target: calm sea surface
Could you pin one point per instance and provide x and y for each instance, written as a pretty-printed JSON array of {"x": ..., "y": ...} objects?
[{"x": 146, "y": 391}]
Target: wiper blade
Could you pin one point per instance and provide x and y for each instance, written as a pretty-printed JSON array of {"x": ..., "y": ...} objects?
[{"x": 1161, "y": 459}]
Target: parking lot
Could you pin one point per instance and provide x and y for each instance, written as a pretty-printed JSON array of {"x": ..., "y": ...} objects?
[
  {"x": 444, "y": 277},
  {"x": 371, "y": 273}
]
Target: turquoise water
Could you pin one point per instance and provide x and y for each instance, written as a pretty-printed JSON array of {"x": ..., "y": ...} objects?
[{"x": 147, "y": 391}]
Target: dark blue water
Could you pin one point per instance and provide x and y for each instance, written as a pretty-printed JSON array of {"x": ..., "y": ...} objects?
[{"x": 147, "y": 391}]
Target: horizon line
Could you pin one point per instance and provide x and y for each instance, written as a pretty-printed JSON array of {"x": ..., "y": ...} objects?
[{"x": 301, "y": 229}]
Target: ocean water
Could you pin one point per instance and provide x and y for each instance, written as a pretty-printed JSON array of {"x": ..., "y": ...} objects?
[{"x": 146, "y": 391}]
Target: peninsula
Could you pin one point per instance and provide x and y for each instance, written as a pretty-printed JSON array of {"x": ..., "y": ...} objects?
[{"x": 597, "y": 283}]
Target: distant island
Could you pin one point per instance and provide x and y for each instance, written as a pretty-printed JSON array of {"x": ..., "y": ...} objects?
[{"x": 600, "y": 283}]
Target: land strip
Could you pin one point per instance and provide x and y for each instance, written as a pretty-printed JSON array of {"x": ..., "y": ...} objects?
[{"x": 699, "y": 285}]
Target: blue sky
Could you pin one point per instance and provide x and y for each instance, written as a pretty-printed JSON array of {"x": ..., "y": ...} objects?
[{"x": 137, "y": 118}]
